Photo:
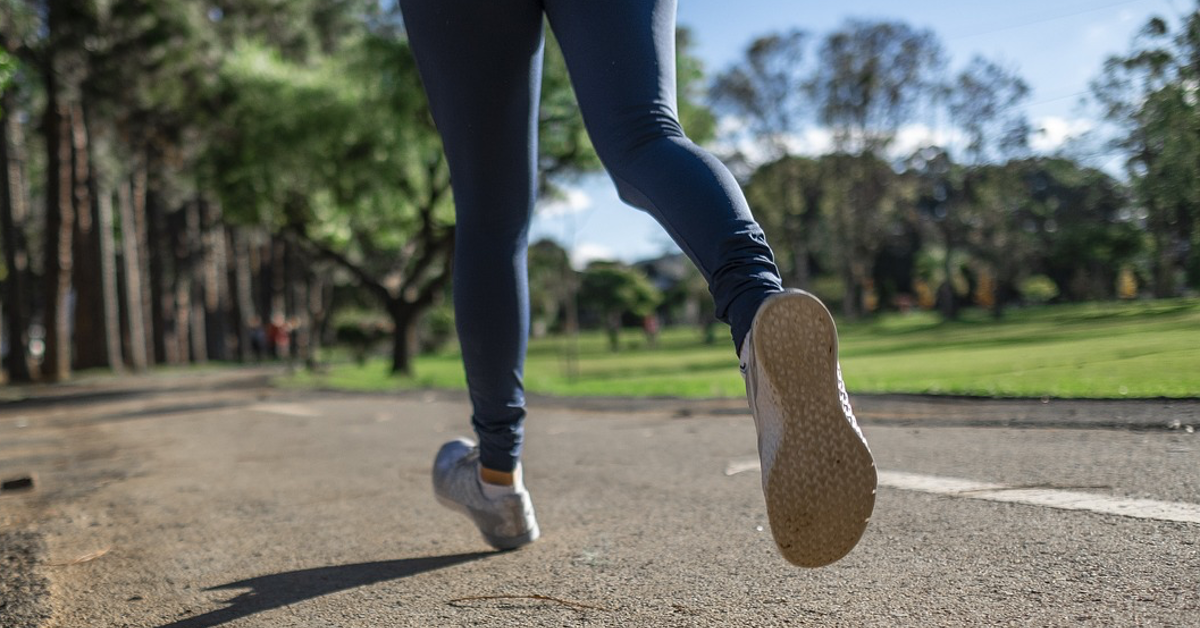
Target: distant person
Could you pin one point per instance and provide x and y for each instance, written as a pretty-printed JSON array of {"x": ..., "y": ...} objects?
[
  {"x": 650, "y": 328},
  {"x": 258, "y": 338},
  {"x": 280, "y": 337},
  {"x": 480, "y": 61}
]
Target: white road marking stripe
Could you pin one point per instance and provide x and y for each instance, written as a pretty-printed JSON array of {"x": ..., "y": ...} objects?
[
  {"x": 1049, "y": 498},
  {"x": 734, "y": 467},
  {"x": 287, "y": 409}
]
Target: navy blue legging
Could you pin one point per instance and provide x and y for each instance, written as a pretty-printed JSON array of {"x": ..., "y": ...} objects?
[{"x": 481, "y": 63}]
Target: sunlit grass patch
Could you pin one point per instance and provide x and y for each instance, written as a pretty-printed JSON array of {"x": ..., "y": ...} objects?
[{"x": 1111, "y": 350}]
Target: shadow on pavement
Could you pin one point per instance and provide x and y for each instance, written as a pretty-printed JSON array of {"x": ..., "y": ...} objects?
[{"x": 277, "y": 590}]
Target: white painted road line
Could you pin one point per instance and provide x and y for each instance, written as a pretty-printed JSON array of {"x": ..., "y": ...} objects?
[{"x": 1045, "y": 497}]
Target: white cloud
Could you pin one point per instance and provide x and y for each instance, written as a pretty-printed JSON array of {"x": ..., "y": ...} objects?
[
  {"x": 1054, "y": 131},
  {"x": 814, "y": 141},
  {"x": 811, "y": 141},
  {"x": 572, "y": 201},
  {"x": 586, "y": 252},
  {"x": 913, "y": 136}
]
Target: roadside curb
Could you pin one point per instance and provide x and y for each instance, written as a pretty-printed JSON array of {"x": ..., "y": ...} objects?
[{"x": 1158, "y": 414}]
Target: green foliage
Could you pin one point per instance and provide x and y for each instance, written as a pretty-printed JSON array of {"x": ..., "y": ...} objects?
[
  {"x": 437, "y": 328},
  {"x": 697, "y": 120},
  {"x": 932, "y": 265},
  {"x": 1039, "y": 289},
  {"x": 616, "y": 290},
  {"x": 790, "y": 196},
  {"x": 299, "y": 30},
  {"x": 340, "y": 147},
  {"x": 863, "y": 208},
  {"x": 361, "y": 332},
  {"x": 8, "y": 68},
  {"x": 564, "y": 146},
  {"x": 612, "y": 290},
  {"x": 1150, "y": 95},
  {"x": 552, "y": 282}
]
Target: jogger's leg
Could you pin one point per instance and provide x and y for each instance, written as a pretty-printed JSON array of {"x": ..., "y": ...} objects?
[
  {"x": 481, "y": 64},
  {"x": 621, "y": 55},
  {"x": 818, "y": 474}
]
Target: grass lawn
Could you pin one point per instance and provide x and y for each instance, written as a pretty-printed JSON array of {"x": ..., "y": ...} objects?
[{"x": 1114, "y": 350}]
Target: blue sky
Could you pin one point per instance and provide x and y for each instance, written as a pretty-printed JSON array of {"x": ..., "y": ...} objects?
[{"x": 1057, "y": 47}]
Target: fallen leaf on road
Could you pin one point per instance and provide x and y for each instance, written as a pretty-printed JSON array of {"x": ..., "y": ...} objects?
[{"x": 88, "y": 557}]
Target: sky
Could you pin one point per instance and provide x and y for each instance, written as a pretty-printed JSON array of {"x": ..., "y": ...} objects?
[{"x": 1056, "y": 46}]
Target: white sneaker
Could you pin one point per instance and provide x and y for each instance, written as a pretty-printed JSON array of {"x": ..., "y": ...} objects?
[
  {"x": 817, "y": 472},
  {"x": 506, "y": 522}
]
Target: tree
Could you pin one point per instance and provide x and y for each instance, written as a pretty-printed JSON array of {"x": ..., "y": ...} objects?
[
  {"x": 14, "y": 198},
  {"x": 790, "y": 196},
  {"x": 552, "y": 284},
  {"x": 349, "y": 166},
  {"x": 64, "y": 66},
  {"x": 611, "y": 291},
  {"x": 694, "y": 115},
  {"x": 1081, "y": 220},
  {"x": 769, "y": 89},
  {"x": 863, "y": 207},
  {"x": 870, "y": 79},
  {"x": 692, "y": 295},
  {"x": 943, "y": 203},
  {"x": 983, "y": 101},
  {"x": 1150, "y": 96}
]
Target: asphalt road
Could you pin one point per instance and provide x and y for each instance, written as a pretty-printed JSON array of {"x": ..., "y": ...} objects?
[{"x": 203, "y": 501}]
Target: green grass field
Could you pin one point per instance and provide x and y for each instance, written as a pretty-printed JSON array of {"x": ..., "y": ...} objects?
[{"x": 1110, "y": 350}]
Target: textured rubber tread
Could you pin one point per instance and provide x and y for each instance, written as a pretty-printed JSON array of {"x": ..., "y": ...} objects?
[{"x": 820, "y": 489}]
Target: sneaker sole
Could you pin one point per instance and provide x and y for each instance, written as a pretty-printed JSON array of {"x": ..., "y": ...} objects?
[
  {"x": 820, "y": 491},
  {"x": 502, "y": 543}
]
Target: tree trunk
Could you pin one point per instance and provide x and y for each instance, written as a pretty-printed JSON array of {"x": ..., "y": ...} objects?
[
  {"x": 319, "y": 296},
  {"x": 278, "y": 292},
  {"x": 949, "y": 300},
  {"x": 217, "y": 300},
  {"x": 14, "y": 210},
  {"x": 131, "y": 257},
  {"x": 91, "y": 342},
  {"x": 1164, "y": 266},
  {"x": 404, "y": 320},
  {"x": 108, "y": 275},
  {"x": 850, "y": 287},
  {"x": 189, "y": 310},
  {"x": 138, "y": 196},
  {"x": 801, "y": 274},
  {"x": 162, "y": 296},
  {"x": 613, "y": 324},
  {"x": 60, "y": 224},
  {"x": 794, "y": 228},
  {"x": 246, "y": 316},
  {"x": 98, "y": 139},
  {"x": 298, "y": 300}
]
